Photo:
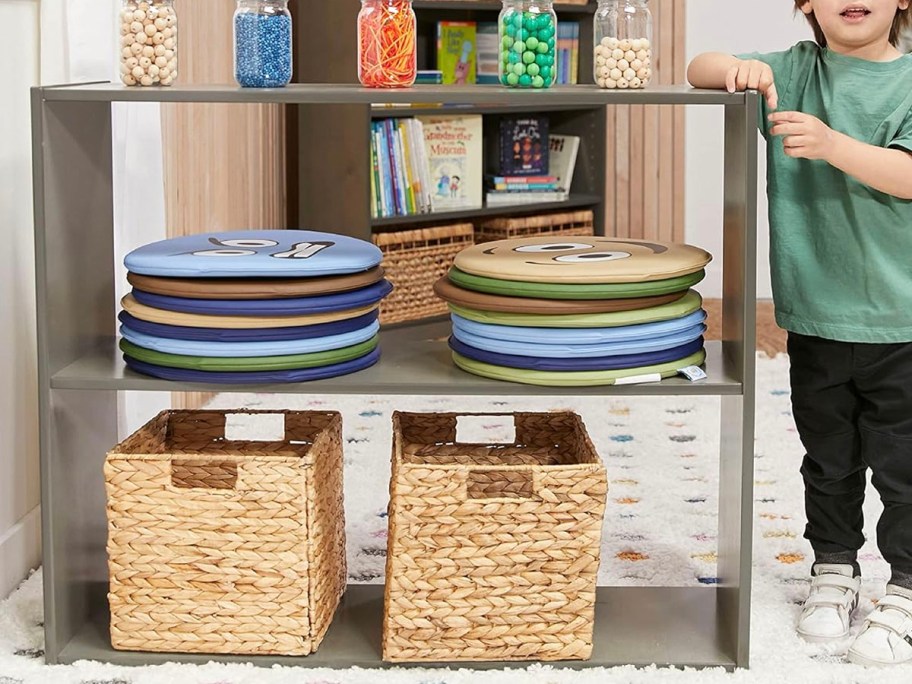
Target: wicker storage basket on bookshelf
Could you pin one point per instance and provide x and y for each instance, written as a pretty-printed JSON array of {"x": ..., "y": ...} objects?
[
  {"x": 414, "y": 260},
  {"x": 493, "y": 549},
  {"x": 224, "y": 546},
  {"x": 559, "y": 223}
]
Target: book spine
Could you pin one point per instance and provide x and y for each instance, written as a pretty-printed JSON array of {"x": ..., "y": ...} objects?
[
  {"x": 574, "y": 54},
  {"x": 376, "y": 210},
  {"x": 393, "y": 167},
  {"x": 384, "y": 171},
  {"x": 405, "y": 151}
]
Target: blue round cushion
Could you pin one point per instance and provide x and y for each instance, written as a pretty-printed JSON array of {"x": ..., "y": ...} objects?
[
  {"x": 298, "y": 306},
  {"x": 254, "y": 377},
  {"x": 302, "y": 332},
  {"x": 621, "y": 361},
  {"x": 249, "y": 349},
  {"x": 255, "y": 253},
  {"x": 576, "y": 336},
  {"x": 561, "y": 351}
]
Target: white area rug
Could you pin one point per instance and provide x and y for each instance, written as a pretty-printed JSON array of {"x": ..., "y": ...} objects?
[{"x": 661, "y": 455}]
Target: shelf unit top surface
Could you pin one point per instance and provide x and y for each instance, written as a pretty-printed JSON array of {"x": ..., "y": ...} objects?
[
  {"x": 422, "y": 95},
  {"x": 415, "y": 360},
  {"x": 472, "y": 5}
]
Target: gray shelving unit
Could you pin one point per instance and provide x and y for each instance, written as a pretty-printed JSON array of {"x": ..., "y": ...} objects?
[{"x": 80, "y": 373}]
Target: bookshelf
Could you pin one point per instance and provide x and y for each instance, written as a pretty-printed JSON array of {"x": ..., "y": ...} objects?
[{"x": 334, "y": 194}]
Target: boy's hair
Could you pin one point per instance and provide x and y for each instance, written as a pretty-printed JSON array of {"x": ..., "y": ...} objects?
[{"x": 902, "y": 21}]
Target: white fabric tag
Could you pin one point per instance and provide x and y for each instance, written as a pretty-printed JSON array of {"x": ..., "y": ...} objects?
[
  {"x": 693, "y": 373},
  {"x": 637, "y": 379}
]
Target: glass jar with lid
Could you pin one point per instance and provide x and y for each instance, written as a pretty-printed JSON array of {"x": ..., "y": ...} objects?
[
  {"x": 622, "y": 33},
  {"x": 148, "y": 43},
  {"x": 262, "y": 43},
  {"x": 528, "y": 43},
  {"x": 387, "y": 43}
]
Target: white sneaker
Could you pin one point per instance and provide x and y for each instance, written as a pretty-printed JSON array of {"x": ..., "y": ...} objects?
[
  {"x": 828, "y": 610},
  {"x": 886, "y": 638}
]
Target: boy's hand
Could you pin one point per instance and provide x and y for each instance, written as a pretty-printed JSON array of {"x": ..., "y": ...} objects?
[
  {"x": 752, "y": 74},
  {"x": 804, "y": 136}
]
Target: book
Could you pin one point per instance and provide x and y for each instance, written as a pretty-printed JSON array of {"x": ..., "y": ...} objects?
[
  {"x": 499, "y": 199},
  {"x": 523, "y": 179},
  {"x": 562, "y": 154},
  {"x": 429, "y": 77},
  {"x": 453, "y": 145},
  {"x": 523, "y": 146},
  {"x": 456, "y": 51},
  {"x": 487, "y": 49}
]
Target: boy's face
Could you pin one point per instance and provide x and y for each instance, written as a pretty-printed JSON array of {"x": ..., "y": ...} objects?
[{"x": 855, "y": 23}]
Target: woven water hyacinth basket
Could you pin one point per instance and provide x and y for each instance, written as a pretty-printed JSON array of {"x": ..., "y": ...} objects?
[
  {"x": 493, "y": 549},
  {"x": 221, "y": 546}
]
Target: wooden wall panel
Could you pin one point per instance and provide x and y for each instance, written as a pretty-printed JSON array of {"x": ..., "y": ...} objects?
[
  {"x": 224, "y": 165},
  {"x": 645, "y": 155}
]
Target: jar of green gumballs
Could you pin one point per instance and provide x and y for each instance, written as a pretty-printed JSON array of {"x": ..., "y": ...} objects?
[{"x": 528, "y": 40}]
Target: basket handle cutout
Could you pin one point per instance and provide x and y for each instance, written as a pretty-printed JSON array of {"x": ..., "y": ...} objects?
[
  {"x": 255, "y": 427},
  {"x": 208, "y": 475},
  {"x": 496, "y": 429},
  {"x": 500, "y": 484}
]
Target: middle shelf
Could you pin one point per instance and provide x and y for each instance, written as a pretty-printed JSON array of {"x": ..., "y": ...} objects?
[{"x": 415, "y": 360}]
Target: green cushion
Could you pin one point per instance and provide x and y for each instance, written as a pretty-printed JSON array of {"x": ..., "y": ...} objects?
[
  {"x": 518, "y": 288},
  {"x": 573, "y": 378},
  {"x": 691, "y": 302},
  {"x": 264, "y": 363}
]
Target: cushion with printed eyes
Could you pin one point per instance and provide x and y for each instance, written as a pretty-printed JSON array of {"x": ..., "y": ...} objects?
[
  {"x": 248, "y": 349},
  {"x": 559, "y": 351},
  {"x": 264, "y": 363},
  {"x": 254, "y": 377},
  {"x": 301, "y": 332},
  {"x": 153, "y": 315},
  {"x": 691, "y": 302},
  {"x": 338, "y": 301},
  {"x": 255, "y": 253},
  {"x": 573, "y": 337},
  {"x": 568, "y": 291},
  {"x": 449, "y": 292},
  {"x": 253, "y": 288},
  {"x": 575, "y": 378},
  {"x": 581, "y": 260},
  {"x": 596, "y": 363}
]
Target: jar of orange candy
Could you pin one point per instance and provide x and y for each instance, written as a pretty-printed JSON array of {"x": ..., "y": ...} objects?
[{"x": 387, "y": 45}]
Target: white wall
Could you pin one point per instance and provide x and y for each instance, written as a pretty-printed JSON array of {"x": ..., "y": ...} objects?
[
  {"x": 734, "y": 26},
  {"x": 19, "y": 494}
]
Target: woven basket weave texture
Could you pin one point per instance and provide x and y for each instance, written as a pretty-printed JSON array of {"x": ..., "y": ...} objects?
[{"x": 566, "y": 223}]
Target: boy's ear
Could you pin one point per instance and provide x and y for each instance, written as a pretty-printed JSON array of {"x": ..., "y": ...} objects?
[
  {"x": 904, "y": 4},
  {"x": 808, "y": 6}
]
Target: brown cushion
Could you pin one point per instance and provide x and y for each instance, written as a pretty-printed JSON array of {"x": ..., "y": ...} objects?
[
  {"x": 253, "y": 288},
  {"x": 449, "y": 292}
]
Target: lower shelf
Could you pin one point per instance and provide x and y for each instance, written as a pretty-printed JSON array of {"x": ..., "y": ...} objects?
[{"x": 633, "y": 626}]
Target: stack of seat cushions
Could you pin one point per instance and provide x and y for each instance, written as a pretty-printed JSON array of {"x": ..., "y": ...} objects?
[
  {"x": 576, "y": 312},
  {"x": 253, "y": 307}
]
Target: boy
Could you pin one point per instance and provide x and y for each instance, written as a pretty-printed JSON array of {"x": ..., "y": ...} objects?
[{"x": 837, "y": 116}]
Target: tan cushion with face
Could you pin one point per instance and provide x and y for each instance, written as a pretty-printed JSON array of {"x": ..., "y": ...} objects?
[{"x": 581, "y": 260}]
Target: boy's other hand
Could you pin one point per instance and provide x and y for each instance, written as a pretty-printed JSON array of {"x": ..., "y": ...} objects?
[
  {"x": 752, "y": 74},
  {"x": 803, "y": 136}
]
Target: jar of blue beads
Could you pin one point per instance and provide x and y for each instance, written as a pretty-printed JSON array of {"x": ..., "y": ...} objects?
[
  {"x": 262, "y": 43},
  {"x": 528, "y": 32}
]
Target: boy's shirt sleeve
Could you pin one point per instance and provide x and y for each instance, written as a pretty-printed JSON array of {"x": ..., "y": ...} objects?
[
  {"x": 902, "y": 139},
  {"x": 782, "y": 64}
]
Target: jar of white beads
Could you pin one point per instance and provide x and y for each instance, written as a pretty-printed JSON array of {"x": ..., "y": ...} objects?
[
  {"x": 623, "y": 44},
  {"x": 148, "y": 42}
]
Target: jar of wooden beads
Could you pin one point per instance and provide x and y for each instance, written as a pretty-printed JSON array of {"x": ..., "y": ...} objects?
[
  {"x": 528, "y": 43},
  {"x": 387, "y": 44},
  {"x": 148, "y": 42},
  {"x": 622, "y": 34},
  {"x": 262, "y": 43}
]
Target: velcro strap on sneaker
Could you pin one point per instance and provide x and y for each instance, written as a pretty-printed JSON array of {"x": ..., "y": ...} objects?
[
  {"x": 832, "y": 580},
  {"x": 899, "y": 603},
  {"x": 830, "y": 599},
  {"x": 893, "y": 621}
]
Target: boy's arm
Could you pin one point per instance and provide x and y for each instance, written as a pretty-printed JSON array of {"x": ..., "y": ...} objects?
[
  {"x": 718, "y": 70},
  {"x": 887, "y": 170}
]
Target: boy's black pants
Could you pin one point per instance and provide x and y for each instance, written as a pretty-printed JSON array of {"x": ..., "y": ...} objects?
[{"x": 852, "y": 405}]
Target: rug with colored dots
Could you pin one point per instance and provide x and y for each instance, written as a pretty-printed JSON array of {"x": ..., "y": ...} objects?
[{"x": 661, "y": 527}]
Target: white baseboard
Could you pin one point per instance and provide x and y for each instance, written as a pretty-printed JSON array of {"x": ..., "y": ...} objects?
[{"x": 20, "y": 551}]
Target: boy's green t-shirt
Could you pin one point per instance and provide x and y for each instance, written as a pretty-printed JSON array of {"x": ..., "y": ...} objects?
[{"x": 840, "y": 251}]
